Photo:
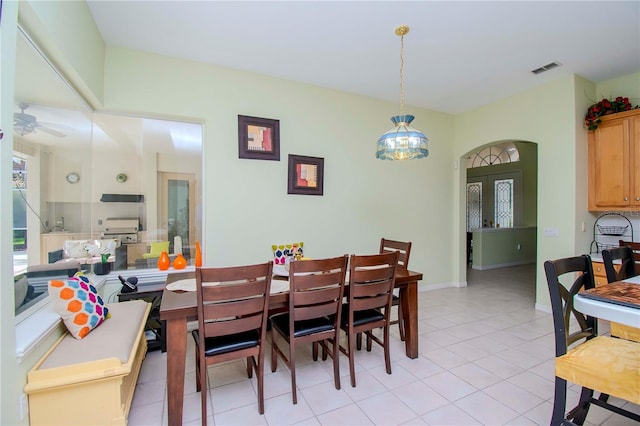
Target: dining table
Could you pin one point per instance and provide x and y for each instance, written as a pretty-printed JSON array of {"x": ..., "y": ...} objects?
[
  {"x": 618, "y": 301},
  {"x": 178, "y": 307}
]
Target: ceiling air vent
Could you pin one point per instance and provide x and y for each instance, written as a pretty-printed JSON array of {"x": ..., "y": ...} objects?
[{"x": 547, "y": 67}]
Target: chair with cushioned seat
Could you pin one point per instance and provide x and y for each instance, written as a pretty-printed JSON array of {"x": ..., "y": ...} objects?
[
  {"x": 233, "y": 306},
  {"x": 404, "y": 251},
  {"x": 368, "y": 307},
  {"x": 597, "y": 363},
  {"x": 316, "y": 289},
  {"x": 627, "y": 269}
]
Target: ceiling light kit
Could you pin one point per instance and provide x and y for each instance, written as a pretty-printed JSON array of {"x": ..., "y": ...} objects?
[
  {"x": 24, "y": 124},
  {"x": 402, "y": 142}
]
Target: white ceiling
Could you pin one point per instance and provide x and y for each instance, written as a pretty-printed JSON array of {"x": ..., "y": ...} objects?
[{"x": 458, "y": 55}]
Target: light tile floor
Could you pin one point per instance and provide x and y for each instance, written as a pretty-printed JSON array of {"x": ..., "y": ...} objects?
[{"x": 486, "y": 357}]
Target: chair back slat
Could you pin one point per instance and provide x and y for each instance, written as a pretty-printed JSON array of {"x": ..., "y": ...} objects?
[
  {"x": 232, "y": 326},
  {"x": 370, "y": 275},
  {"x": 362, "y": 303},
  {"x": 317, "y": 280},
  {"x": 579, "y": 269},
  {"x": 627, "y": 266},
  {"x": 220, "y": 291},
  {"x": 370, "y": 288},
  {"x": 232, "y": 274},
  {"x": 233, "y": 308},
  {"x": 315, "y": 311},
  {"x": 403, "y": 249},
  {"x": 318, "y": 296}
]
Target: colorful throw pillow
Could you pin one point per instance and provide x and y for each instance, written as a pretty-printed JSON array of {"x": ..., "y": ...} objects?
[
  {"x": 282, "y": 251},
  {"x": 77, "y": 301}
]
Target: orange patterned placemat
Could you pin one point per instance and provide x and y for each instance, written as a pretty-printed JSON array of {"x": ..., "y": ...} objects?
[{"x": 621, "y": 293}]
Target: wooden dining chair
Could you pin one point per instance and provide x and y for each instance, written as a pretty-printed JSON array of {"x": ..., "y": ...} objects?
[
  {"x": 597, "y": 363},
  {"x": 233, "y": 306},
  {"x": 404, "y": 252},
  {"x": 615, "y": 271},
  {"x": 368, "y": 307},
  {"x": 316, "y": 289}
]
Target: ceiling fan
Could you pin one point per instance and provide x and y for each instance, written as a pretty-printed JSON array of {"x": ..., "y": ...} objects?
[{"x": 24, "y": 124}]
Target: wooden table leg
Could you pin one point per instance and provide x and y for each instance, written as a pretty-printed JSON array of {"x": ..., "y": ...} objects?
[
  {"x": 409, "y": 300},
  {"x": 176, "y": 355}
]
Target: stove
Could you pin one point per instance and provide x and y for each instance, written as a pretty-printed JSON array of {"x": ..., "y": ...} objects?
[{"x": 125, "y": 230}]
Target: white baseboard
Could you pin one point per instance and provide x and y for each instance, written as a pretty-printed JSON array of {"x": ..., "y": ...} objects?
[
  {"x": 438, "y": 286},
  {"x": 543, "y": 308},
  {"x": 501, "y": 265}
]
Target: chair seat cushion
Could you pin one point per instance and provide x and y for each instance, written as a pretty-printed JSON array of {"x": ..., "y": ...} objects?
[
  {"x": 604, "y": 364},
  {"x": 301, "y": 328},
  {"x": 361, "y": 317},
  {"x": 223, "y": 344},
  {"x": 625, "y": 331}
]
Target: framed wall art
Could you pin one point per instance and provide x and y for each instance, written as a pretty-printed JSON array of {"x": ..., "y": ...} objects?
[
  {"x": 258, "y": 138},
  {"x": 306, "y": 175}
]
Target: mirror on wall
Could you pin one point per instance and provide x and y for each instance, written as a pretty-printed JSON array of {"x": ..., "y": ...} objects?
[{"x": 90, "y": 189}]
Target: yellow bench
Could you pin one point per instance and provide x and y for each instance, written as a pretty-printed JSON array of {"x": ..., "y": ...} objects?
[{"x": 91, "y": 381}]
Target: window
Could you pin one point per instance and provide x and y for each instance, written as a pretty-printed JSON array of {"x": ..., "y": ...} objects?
[
  {"x": 500, "y": 153},
  {"x": 503, "y": 209},
  {"x": 72, "y": 156},
  {"x": 19, "y": 212},
  {"x": 474, "y": 205}
]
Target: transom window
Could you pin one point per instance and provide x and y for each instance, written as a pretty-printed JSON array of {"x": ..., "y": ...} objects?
[{"x": 500, "y": 153}]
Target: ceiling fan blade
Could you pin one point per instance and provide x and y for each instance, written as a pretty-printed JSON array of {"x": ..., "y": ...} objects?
[{"x": 51, "y": 131}]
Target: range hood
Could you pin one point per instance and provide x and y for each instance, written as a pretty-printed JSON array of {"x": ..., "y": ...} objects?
[{"x": 122, "y": 198}]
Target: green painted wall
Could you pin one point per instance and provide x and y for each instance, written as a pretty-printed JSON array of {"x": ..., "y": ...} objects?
[
  {"x": 497, "y": 248},
  {"x": 554, "y": 130}
]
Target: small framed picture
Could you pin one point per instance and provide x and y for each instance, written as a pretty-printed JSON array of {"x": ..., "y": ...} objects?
[
  {"x": 306, "y": 175},
  {"x": 258, "y": 138}
]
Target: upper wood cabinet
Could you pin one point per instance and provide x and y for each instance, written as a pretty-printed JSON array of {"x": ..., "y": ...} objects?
[{"x": 614, "y": 157}]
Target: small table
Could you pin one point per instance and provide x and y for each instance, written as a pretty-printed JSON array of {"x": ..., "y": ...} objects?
[
  {"x": 609, "y": 310},
  {"x": 151, "y": 293}
]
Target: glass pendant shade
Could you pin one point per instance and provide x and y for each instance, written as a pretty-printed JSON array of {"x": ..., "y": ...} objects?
[{"x": 402, "y": 142}]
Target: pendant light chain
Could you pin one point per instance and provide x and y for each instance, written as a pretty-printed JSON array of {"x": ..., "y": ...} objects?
[{"x": 402, "y": 74}]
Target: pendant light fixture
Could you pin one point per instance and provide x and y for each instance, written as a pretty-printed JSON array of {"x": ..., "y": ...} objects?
[{"x": 402, "y": 142}]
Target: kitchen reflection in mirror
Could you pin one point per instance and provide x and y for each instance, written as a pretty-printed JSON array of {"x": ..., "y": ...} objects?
[{"x": 60, "y": 227}]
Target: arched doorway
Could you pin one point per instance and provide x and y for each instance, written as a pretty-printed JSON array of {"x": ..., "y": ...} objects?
[{"x": 500, "y": 204}]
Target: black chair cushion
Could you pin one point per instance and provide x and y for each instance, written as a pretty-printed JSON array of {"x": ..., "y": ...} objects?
[
  {"x": 233, "y": 342},
  {"x": 301, "y": 328},
  {"x": 361, "y": 317}
]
